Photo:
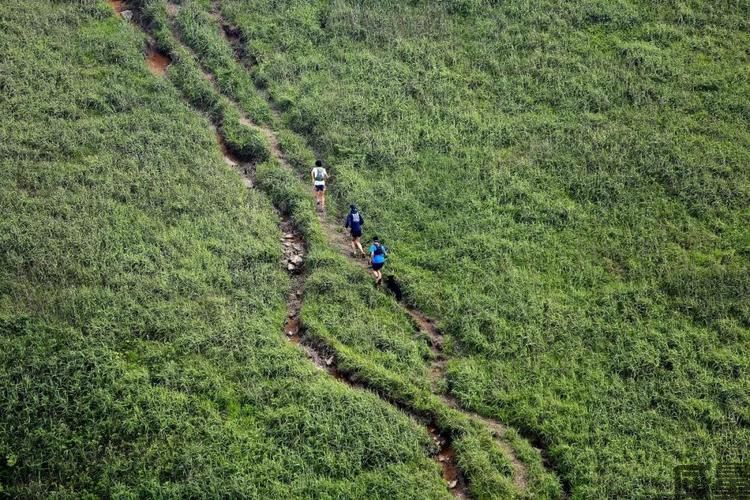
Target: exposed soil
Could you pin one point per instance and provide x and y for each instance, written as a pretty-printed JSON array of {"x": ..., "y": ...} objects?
[
  {"x": 245, "y": 169},
  {"x": 498, "y": 431},
  {"x": 117, "y": 5},
  {"x": 157, "y": 61},
  {"x": 229, "y": 158},
  {"x": 427, "y": 326},
  {"x": 231, "y": 33},
  {"x": 447, "y": 458},
  {"x": 293, "y": 247}
]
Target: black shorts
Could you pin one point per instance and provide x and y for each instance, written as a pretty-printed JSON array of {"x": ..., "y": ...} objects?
[
  {"x": 356, "y": 234},
  {"x": 377, "y": 267},
  {"x": 320, "y": 188}
]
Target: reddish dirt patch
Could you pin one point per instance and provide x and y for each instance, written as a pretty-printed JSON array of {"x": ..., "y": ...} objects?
[
  {"x": 446, "y": 457},
  {"x": 291, "y": 328},
  {"x": 157, "y": 62},
  {"x": 117, "y": 5}
]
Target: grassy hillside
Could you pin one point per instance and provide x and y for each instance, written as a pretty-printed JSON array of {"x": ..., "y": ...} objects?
[
  {"x": 142, "y": 297},
  {"x": 567, "y": 187},
  {"x": 365, "y": 331}
]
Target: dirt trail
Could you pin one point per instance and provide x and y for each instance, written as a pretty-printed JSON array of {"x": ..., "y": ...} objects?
[
  {"x": 294, "y": 253},
  {"x": 426, "y": 325},
  {"x": 294, "y": 257}
]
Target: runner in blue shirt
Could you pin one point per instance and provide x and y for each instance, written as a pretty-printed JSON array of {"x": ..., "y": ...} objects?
[
  {"x": 378, "y": 254},
  {"x": 355, "y": 221}
]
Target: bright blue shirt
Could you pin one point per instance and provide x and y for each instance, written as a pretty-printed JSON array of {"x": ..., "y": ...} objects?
[{"x": 377, "y": 259}]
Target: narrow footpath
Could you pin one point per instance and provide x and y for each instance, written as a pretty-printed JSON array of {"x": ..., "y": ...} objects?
[
  {"x": 423, "y": 323},
  {"x": 294, "y": 254}
]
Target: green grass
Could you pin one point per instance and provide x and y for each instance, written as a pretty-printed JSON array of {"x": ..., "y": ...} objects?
[
  {"x": 186, "y": 74},
  {"x": 142, "y": 296},
  {"x": 370, "y": 335},
  {"x": 202, "y": 35},
  {"x": 374, "y": 344},
  {"x": 566, "y": 187}
]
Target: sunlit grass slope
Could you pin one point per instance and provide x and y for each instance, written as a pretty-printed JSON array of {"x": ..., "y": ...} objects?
[
  {"x": 141, "y": 297},
  {"x": 364, "y": 330},
  {"x": 565, "y": 184}
]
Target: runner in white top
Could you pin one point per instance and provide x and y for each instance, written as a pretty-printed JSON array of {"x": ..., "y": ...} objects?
[{"x": 319, "y": 176}]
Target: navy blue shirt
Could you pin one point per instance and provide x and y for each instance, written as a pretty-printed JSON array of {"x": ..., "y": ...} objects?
[{"x": 355, "y": 221}]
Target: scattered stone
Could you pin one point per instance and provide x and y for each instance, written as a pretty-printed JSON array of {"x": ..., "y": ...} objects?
[
  {"x": 291, "y": 267},
  {"x": 296, "y": 259},
  {"x": 127, "y": 14},
  {"x": 329, "y": 361},
  {"x": 453, "y": 484},
  {"x": 290, "y": 333}
]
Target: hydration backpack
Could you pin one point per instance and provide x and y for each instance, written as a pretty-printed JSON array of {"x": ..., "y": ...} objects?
[
  {"x": 379, "y": 250},
  {"x": 320, "y": 174},
  {"x": 355, "y": 218}
]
